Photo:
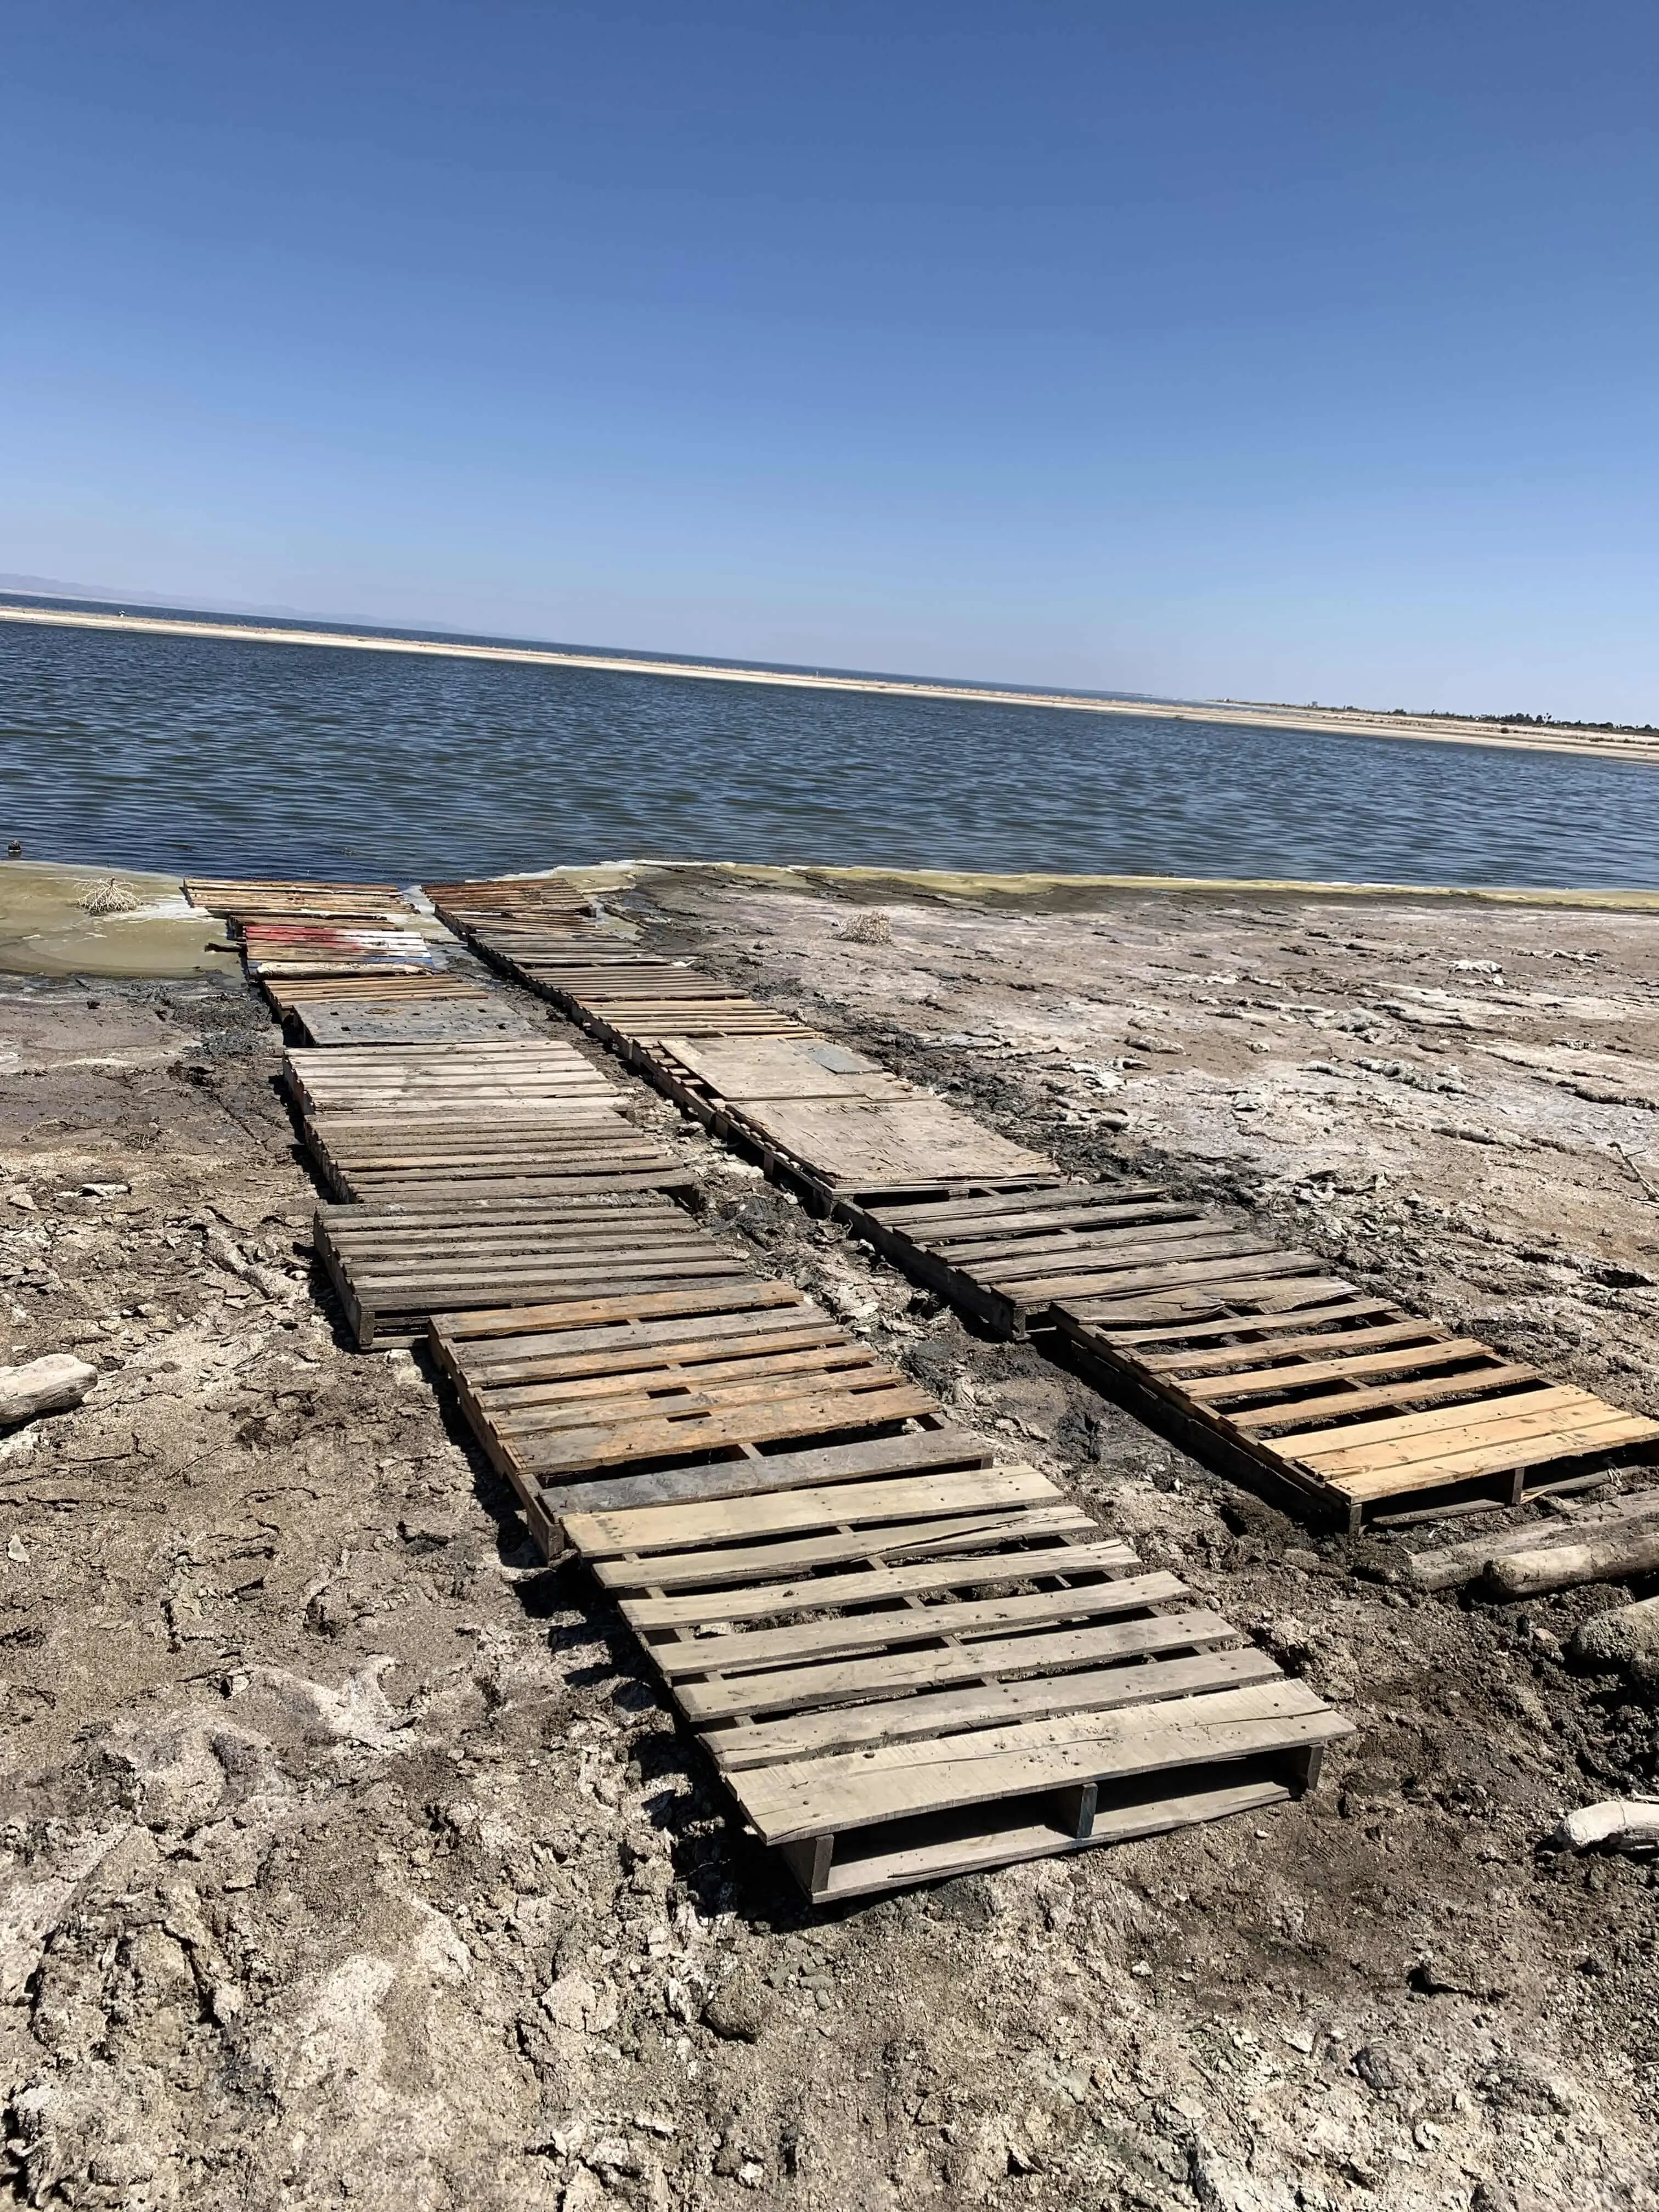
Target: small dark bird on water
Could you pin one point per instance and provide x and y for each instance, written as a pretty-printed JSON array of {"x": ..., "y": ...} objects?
[{"x": 14, "y": 850}]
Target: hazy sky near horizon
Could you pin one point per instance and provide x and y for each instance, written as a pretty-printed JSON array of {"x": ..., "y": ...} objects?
[{"x": 1298, "y": 350}]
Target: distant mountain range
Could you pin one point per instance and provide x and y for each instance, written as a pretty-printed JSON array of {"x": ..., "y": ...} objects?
[{"x": 56, "y": 587}]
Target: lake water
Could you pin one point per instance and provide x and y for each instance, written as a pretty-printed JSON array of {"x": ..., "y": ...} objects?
[{"x": 191, "y": 754}]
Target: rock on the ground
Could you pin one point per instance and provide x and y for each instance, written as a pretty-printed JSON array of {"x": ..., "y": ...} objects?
[{"x": 51, "y": 1385}]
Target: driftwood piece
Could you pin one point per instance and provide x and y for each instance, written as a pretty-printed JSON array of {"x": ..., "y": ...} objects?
[
  {"x": 1452, "y": 1564},
  {"x": 51, "y": 1385},
  {"x": 1621, "y": 1637},
  {"x": 1628, "y": 1824},
  {"x": 1613, "y": 1556}
]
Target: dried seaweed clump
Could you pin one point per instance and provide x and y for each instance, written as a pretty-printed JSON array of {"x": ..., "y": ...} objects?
[
  {"x": 871, "y": 927},
  {"x": 108, "y": 897}
]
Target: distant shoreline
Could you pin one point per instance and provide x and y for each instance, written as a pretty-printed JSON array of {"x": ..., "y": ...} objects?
[{"x": 1325, "y": 721}]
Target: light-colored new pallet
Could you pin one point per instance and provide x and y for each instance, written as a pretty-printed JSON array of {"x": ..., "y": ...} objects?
[
  {"x": 907, "y": 1677},
  {"x": 1342, "y": 1404}
]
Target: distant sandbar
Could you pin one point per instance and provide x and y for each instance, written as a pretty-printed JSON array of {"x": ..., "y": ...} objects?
[{"x": 1334, "y": 721}]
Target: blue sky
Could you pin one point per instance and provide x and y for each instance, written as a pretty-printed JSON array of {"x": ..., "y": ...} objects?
[{"x": 1300, "y": 351}]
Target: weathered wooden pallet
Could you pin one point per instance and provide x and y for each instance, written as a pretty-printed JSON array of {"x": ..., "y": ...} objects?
[
  {"x": 393, "y": 1079},
  {"x": 366, "y": 1021},
  {"x": 527, "y": 949},
  {"x": 551, "y": 903},
  {"x": 541, "y": 1147},
  {"x": 567, "y": 1393},
  {"x": 846, "y": 1154},
  {"x": 710, "y": 1077},
  {"x": 289, "y": 950},
  {"x": 907, "y": 1677},
  {"x": 1008, "y": 1258},
  {"x": 233, "y": 898},
  {"x": 426, "y": 986},
  {"x": 393, "y": 1266},
  {"x": 1343, "y": 1405}
]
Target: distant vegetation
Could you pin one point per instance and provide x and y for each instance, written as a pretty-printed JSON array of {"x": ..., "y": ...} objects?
[
  {"x": 1443, "y": 715},
  {"x": 1535, "y": 722}
]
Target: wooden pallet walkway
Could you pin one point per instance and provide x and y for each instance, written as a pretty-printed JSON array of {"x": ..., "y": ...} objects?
[
  {"x": 904, "y": 1662},
  {"x": 393, "y": 1265}
]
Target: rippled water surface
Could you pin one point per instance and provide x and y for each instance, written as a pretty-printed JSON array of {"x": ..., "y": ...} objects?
[{"x": 181, "y": 753}]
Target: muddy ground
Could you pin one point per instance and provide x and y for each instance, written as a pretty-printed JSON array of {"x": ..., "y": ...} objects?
[{"x": 351, "y": 1858}]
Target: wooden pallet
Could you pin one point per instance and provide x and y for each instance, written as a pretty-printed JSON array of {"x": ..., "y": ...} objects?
[
  {"x": 1007, "y": 1258},
  {"x": 826, "y": 1122},
  {"x": 237, "y": 897},
  {"x": 392, "y": 1266},
  {"x": 550, "y": 903},
  {"x": 426, "y": 986},
  {"x": 525, "y": 949},
  {"x": 568, "y": 1394},
  {"x": 368, "y": 1021},
  {"x": 290, "y": 949},
  {"x": 387, "y": 1080},
  {"x": 1342, "y": 1405},
  {"x": 711, "y": 1077},
  {"x": 538, "y": 1149},
  {"x": 907, "y": 1677}
]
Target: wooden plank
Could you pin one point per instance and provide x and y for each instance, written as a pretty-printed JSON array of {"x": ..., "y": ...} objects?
[
  {"x": 1592, "y": 1438},
  {"x": 1209, "y": 1297},
  {"x": 1303, "y": 1355},
  {"x": 844, "y": 1636},
  {"x": 756, "y": 1481},
  {"x": 565, "y": 1452},
  {"x": 709, "y": 1569},
  {"x": 996, "y": 1656},
  {"x": 961, "y": 1846},
  {"x": 516, "y": 1372},
  {"x": 902, "y": 1720},
  {"x": 1420, "y": 1435},
  {"x": 1473, "y": 1384},
  {"x": 1093, "y": 1264},
  {"x": 581, "y": 1398},
  {"x": 1335, "y": 1312},
  {"x": 588, "y": 1313},
  {"x": 860, "y": 1501},
  {"x": 810, "y": 1796},
  {"x": 877, "y": 1585}
]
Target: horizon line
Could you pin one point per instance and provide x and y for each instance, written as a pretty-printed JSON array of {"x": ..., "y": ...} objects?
[{"x": 1336, "y": 721}]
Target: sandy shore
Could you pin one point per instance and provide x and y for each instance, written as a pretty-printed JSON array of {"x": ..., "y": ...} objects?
[
  {"x": 348, "y": 1853},
  {"x": 45, "y": 929},
  {"x": 1338, "y": 721}
]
